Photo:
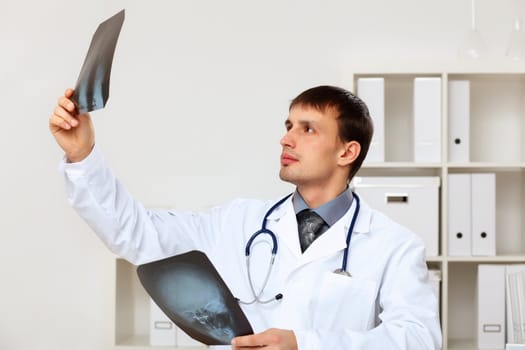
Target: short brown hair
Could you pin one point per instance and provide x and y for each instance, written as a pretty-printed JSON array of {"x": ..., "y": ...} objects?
[{"x": 353, "y": 119}]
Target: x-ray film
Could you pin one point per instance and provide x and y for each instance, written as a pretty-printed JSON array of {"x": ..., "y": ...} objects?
[
  {"x": 92, "y": 89},
  {"x": 193, "y": 295}
]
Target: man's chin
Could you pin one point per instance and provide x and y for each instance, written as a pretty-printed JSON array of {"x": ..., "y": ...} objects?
[{"x": 287, "y": 177}]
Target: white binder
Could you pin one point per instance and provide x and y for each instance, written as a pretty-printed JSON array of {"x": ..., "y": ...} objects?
[
  {"x": 459, "y": 214},
  {"x": 161, "y": 328},
  {"x": 459, "y": 121},
  {"x": 491, "y": 307},
  {"x": 515, "y": 287},
  {"x": 483, "y": 196},
  {"x": 427, "y": 120},
  {"x": 372, "y": 92}
]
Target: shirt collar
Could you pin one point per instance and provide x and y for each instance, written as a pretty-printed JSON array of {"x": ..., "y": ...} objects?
[{"x": 331, "y": 211}]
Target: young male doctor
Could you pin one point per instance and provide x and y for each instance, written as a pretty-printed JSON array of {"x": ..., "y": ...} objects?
[{"x": 373, "y": 294}]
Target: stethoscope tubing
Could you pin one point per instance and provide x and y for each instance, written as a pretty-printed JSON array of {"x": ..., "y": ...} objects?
[
  {"x": 267, "y": 231},
  {"x": 350, "y": 231}
]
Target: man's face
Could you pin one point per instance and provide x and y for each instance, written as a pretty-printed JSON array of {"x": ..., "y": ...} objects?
[{"x": 311, "y": 148}]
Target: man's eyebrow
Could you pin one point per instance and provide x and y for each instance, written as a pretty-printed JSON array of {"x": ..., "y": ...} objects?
[
  {"x": 302, "y": 123},
  {"x": 288, "y": 122}
]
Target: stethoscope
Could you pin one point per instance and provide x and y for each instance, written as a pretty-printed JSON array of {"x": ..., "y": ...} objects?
[{"x": 264, "y": 230}]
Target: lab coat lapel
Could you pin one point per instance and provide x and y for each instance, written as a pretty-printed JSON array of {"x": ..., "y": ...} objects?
[
  {"x": 330, "y": 242},
  {"x": 284, "y": 224},
  {"x": 334, "y": 239},
  {"x": 364, "y": 219}
]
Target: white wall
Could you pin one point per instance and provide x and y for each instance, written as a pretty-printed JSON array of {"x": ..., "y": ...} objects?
[{"x": 200, "y": 90}]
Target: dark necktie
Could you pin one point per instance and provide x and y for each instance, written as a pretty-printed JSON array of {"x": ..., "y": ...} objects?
[{"x": 310, "y": 226}]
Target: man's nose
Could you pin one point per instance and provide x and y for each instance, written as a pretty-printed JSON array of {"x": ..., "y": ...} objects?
[{"x": 287, "y": 140}]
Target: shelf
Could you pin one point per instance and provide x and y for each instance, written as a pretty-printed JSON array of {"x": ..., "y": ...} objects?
[
  {"x": 488, "y": 166},
  {"x": 488, "y": 259},
  {"x": 462, "y": 344},
  {"x": 397, "y": 169},
  {"x": 435, "y": 259},
  {"x": 407, "y": 68},
  {"x": 138, "y": 342},
  {"x": 403, "y": 165}
]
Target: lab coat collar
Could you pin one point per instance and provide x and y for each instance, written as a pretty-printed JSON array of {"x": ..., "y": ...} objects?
[
  {"x": 362, "y": 224},
  {"x": 282, "y": 221},
  {"x": 284, "y": 224},
  {"x": 334, "y": 239},
  {"x": 281, "y": 210},
  {"x": 364, "y": 218}
]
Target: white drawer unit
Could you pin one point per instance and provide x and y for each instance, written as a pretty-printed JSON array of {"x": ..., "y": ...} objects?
[{"x": 412, "y": 201}]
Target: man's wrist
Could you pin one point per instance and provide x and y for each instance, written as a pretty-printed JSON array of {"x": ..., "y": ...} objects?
[{"x": 75, "y": 157}]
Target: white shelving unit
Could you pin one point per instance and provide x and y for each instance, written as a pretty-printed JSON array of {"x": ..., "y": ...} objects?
[{"x": 497, "y": 144}]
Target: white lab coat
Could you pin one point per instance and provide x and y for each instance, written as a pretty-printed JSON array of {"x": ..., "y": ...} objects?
[{"x": 388, "y": 302}]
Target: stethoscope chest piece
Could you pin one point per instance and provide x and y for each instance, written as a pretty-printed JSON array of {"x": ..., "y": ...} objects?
[{"x": 342, "y": 272}]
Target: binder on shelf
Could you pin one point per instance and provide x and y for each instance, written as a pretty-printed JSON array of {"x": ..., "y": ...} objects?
[
  {"x": 491, "y": 307},
  {"x": 521, "y": 301},
  {"x": 459, "y": 215},
  {"x": 483, "y": 199},
  {"x": 459, "y": 121},
  {"x": 372, "y": 92},
  {"x": 427, "y": 119},
  {"x": 161, "y": 328},
  {"x": 515, "y": 303}
]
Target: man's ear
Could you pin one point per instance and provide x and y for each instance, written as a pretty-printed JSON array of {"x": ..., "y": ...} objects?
[{"x": 350, "y": 152}]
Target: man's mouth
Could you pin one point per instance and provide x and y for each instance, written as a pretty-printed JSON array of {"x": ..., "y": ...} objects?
[{"x": 287, "y": 159}]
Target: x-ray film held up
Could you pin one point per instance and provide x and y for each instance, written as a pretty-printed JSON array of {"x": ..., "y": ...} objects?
[{"x": 92, "y": 88}]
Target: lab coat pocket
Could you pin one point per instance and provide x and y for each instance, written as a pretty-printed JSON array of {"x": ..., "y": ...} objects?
[{"x": 345, "y": 302}]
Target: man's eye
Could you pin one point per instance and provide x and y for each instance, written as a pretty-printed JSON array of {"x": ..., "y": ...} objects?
[{"x": 308, "y": 129}]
